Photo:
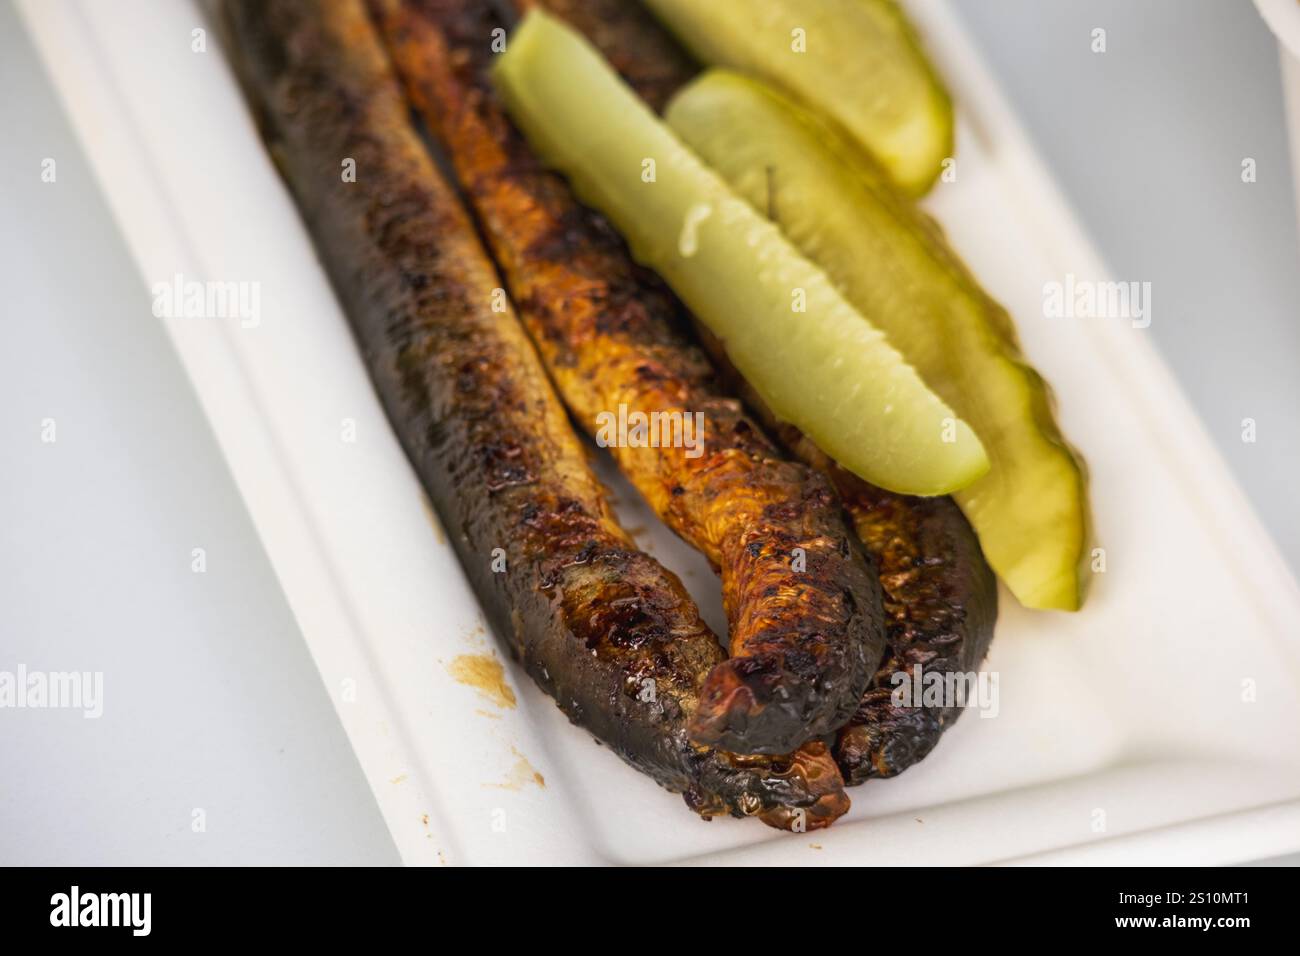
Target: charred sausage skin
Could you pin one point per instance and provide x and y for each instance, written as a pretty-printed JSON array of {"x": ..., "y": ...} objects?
[
  {"x": 802, "y": 602},
  {"x": 941, "y": 602},
  {"x": 940, "y": 594},
  {"x": 604, "y": 629}
]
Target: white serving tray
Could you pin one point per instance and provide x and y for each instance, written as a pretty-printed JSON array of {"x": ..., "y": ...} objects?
[{"x": 1123, "y": 734}]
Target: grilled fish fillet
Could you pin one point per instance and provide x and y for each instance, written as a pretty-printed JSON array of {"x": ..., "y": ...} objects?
[
  {"x": 603, "y": 628},
  {"x": 803, "y": 605}
]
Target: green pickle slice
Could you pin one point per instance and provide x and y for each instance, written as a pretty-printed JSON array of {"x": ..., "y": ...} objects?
[
  {"x": 858, "y": 62},
  {"x": 816, "y": 361},
  {"x": 892, "y": 262}
]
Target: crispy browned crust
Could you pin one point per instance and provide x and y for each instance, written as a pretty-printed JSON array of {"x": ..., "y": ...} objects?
[
  {"x": 940, "y": 595},
  {"x": 941, "y": 602},
  {"x": 603, "y": 628},
  {"x": 803, "y": 605}
]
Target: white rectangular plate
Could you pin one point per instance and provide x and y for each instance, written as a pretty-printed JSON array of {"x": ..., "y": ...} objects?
[{"x": 1158, "y": 725}]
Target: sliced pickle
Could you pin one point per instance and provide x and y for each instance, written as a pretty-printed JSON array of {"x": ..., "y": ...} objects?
[
  {"x": 892, "y": 263},
  {"x": 858, "y": 62},
  {"x": 817, "y": 362}
]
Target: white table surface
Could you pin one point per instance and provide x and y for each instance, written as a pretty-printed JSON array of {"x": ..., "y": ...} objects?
[{"x": 211, "y": 701}]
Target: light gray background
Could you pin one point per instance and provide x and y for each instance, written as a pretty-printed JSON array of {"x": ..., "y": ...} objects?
[{"x": 212, "y": 701}]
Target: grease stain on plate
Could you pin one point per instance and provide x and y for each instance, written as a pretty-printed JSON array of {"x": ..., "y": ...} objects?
[
  {"x": 522, "y": 774},
  {"x": 485, "y": 674}
]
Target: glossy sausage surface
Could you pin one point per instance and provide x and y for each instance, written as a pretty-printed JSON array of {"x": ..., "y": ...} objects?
[
  {"x": 803, "y": 606},
  {"x": 602, "y": 627}
]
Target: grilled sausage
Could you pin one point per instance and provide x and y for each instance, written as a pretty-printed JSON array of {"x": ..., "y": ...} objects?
[
  {"x": 803, "y": 605},
  {"x": 941, "y": 601},
  {"x": 605, "y": 630},
  {"x": 940, "y": 595}
]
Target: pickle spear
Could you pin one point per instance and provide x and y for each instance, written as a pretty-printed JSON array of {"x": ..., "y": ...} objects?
[
  {"x": 815, "y": 360},
  {"x": 892, "y": 263},
  {"x": 858, "y": 62}
]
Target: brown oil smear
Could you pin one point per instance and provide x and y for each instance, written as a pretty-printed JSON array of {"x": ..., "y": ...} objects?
[
  {"x": 485, "y": 674},
  {"x": 521, "y": 775}
]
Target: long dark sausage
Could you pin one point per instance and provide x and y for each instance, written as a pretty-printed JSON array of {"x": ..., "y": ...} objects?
[
  {"x": 603, "y": 628},
  {"x": 806, "y": 629}
]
